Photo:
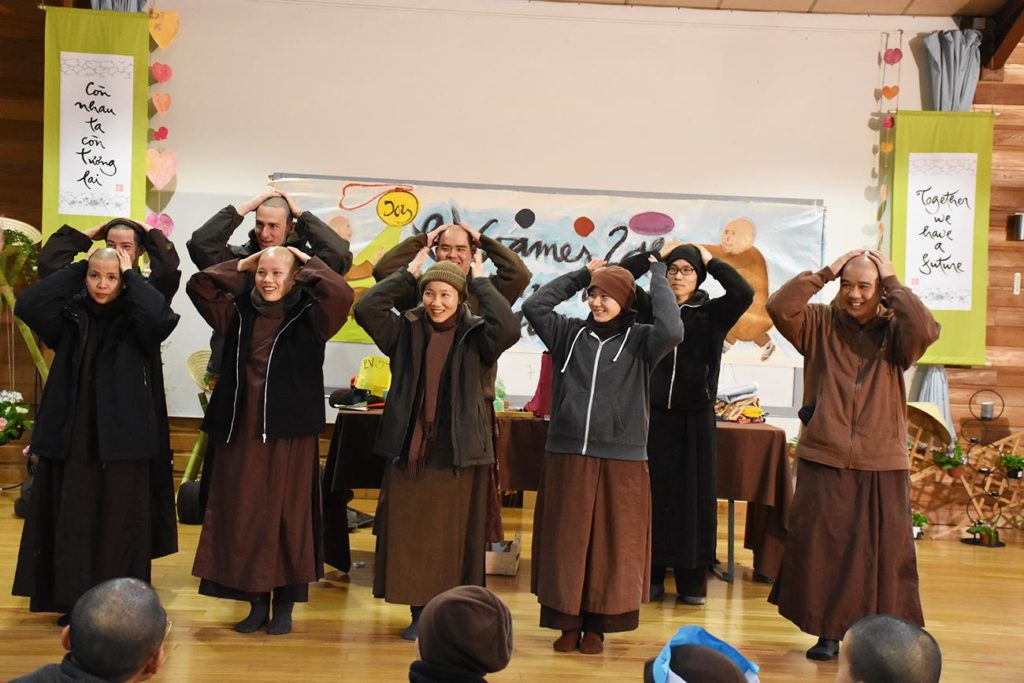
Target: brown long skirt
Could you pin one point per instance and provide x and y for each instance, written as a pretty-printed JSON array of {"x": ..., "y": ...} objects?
[
  {"x": 259, "y": 530},
  {"x": 849, "y": 552},
  {"x": 431, "y": 529},
  {"x": 592, "y": 542}
]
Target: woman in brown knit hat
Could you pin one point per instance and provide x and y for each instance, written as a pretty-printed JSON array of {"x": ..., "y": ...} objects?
[
  {"x": 592, "y": 523},
  {"x": 431, "y": 514}
]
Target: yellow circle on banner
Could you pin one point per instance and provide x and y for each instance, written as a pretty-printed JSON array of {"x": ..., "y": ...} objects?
[{"x": 398, "y": 207}]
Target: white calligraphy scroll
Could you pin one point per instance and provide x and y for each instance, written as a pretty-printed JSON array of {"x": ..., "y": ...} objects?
[
  {"x": 95, "y": 134},
  {"x": 940, "y": 228}
]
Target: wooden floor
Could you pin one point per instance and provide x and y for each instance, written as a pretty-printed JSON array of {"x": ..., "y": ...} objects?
[{"x": 973, "y": 602}]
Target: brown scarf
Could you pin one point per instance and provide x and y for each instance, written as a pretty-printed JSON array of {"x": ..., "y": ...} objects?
[{"x": 440, "y": 339}]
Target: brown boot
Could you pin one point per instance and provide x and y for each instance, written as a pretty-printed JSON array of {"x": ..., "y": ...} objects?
[
  {"x": 568, "y": 641},
  {"x": 592, "y": 643}
]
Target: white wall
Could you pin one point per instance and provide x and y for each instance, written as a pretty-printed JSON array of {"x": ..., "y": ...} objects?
[{"x": 510, "y": 92}]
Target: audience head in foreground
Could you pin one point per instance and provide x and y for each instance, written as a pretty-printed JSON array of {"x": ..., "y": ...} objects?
[
  {"x": 464, "y": 633},
  {"x": 887, "y": 649},
  {"x": 695, "y": 664},
  {"x": 116, "y": 634}
]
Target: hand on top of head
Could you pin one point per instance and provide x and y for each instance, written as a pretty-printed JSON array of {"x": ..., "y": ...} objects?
[
  {"x": 96, "y": 232},
  {"x": 705, "y": 255},
  {"x": 596, "y": 265},
  {"x": 416, "y": 265},
  {"x": 837, "y": 266},
  {"x": 300, "y": 256},
  {"x": 885, "y": 267},
  {"x": 475, "y": 234},
  {"x": 293, "y": 204},
  {"x": 255, "y": 202}
]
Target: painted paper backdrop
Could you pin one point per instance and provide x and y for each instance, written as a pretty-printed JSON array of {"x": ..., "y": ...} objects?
[
  {"x": 555, "y": 231},
  {"x": 95, "y": 121},
  {"x": 940, "y": 224}
]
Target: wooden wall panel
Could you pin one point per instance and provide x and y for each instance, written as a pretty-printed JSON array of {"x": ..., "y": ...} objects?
[{"x": 1005, "y": 319}]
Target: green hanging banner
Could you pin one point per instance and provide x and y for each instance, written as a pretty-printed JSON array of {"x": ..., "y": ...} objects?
[
  {"x": 96, "y": 117},
  {"x": 941, "y": 190}
]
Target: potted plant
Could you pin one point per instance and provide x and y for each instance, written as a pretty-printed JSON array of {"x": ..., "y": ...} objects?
[
  {"x": 13, "y": 416},
  {"x": 985, "y": 533},
  {"x": 1014, "y": 466},
  {"x": 952, "y": 461},
  {"x": 919, "y": 522}
]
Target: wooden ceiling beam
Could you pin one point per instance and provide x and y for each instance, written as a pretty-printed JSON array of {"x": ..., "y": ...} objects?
[{"x": 1008, "y": 32}]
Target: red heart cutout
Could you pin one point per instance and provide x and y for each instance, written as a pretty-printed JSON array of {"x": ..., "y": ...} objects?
[
  {"x": 161, "y": 222},
  {"x": 892, "y": 56},
  {"x": 161, "y": 72},
  {"x": 890, "y": 92},
  {"x": 160, "y": 133}
]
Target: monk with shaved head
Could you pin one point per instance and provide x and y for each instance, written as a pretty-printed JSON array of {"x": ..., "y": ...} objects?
[
  {"x": 279, "y": 222},
  {"x": 103, "y": 471},
  {"x": 276, "y": 309},
  {"x": 849, "y": 550}
]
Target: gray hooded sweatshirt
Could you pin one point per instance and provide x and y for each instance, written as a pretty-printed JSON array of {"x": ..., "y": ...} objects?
[{"x": 600, "y": 402}]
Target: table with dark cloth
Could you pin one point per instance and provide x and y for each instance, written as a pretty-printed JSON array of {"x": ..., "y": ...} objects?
[{"x": 752, "y": 466}]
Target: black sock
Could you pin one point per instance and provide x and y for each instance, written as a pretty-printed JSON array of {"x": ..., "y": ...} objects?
[
  {"x": 257, "y": 615},
  {"x": 281, "y": 621}
]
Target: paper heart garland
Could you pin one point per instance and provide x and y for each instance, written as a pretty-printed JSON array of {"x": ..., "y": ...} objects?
[
  {"x": 161, "y": 102},
  {"x": 889, "y": 122},
  {"x": 161, "y": 166},
  {"x": 885, "y": 147},
  {"x": 161, "y": 72},
  {"x": 161, "y": 222},
  {"x": 163, "y": 26},
  {"x": 890, "y": 92},
  {"x": 160, "y": 133},
  {"x": 892, "y": 56}
]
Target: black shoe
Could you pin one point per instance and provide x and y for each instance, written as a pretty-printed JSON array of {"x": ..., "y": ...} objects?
[
  {"x": 657, "y": 591},
  {"x": 259, "y": 610},
  {"x": 824, "y": 650}
]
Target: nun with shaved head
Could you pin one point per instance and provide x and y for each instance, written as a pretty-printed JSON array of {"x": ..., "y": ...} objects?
[
  {"x": 92, "y": 515},
  {"x": 849, "y": 550},
  {"x": 260, "y": 542}
]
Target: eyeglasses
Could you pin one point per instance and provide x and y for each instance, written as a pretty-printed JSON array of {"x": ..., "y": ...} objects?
[{"x": 685, "y": 271}]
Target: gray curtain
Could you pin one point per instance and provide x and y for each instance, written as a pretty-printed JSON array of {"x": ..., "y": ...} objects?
[
  {"x": 954, "y": 64},
  {"x": 120, "y": 5},
  {"x": 931, "y": 385}
]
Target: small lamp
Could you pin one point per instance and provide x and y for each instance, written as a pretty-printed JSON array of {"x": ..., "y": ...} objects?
[{"x": 1015, "y": 223}]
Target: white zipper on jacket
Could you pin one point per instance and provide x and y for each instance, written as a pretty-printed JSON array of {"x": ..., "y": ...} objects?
[
  {"x": 593, "y": 385},
  {"x": 571, "y": 347},
  {"x": 238, "y": 380},
  {"x": 672, "y": 382},
  {"x": 266, "y": 382}
]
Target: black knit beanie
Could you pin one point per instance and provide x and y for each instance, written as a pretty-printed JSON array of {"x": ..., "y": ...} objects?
[{"x": 690, "y": 254}]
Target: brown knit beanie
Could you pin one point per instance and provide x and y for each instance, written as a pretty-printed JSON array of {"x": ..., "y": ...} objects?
[
  {"x": 447, "y": 272},
  {"x": 617, "y": 282},
  {"x": 468, "y": 628}
]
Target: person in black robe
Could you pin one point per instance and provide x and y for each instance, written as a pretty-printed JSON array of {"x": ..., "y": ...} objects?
[{"x": 91, "y": 514}]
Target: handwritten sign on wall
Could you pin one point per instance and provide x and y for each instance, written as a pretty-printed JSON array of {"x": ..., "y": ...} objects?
[
  {"x": 940, "y": 228},
  {"x": 96, "y": 100}
]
